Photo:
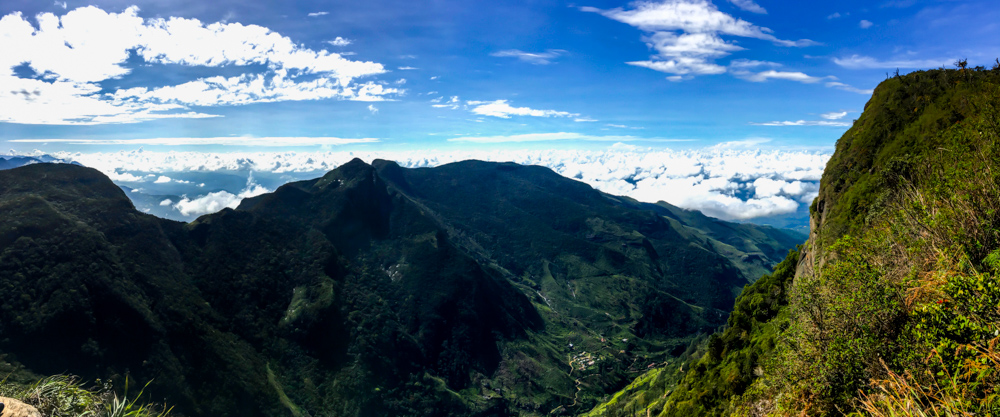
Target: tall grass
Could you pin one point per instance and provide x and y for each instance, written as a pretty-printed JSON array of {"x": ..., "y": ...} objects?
[
  {"x": 67, "y": 396},
  {"x": 939, "y": 395},
  {"x": 903, "y": 320}
]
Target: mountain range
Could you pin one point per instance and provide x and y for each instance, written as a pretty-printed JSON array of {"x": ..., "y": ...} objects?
[{"x": 473, "y": 288}]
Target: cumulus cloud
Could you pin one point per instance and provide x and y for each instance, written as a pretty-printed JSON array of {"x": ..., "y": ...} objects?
[
  {"x": 339, "y": 41},
  {"x": 501, "y": 109},
  {"x": 121, "y": 176},
  {"x": 687, "y": 34},
  {"x": 66, "y": 58},
  {"x": 373, "y": 109},
  {"x": 748, "y": 5},
  {"x": 864, "y": 24},
  {"x": 213, "y": 202},
  {"x": 734, "y": 182},
  {"x": 537, "y": 58},
  {"x": 162, "y": 180},
  {"x": 208, "y": 203},
  {"x": 166, "y": 202},
  {"x": 867, "y": 62}
]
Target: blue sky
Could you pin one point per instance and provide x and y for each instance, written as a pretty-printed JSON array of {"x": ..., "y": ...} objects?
[{"x": 461, "y": 76}]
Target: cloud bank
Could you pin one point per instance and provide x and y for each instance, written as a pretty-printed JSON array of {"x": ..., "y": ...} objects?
[{"x": 731, "y": 184}]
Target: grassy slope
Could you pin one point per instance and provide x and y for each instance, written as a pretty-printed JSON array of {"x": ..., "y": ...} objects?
[{"x": 913, "y": 173}]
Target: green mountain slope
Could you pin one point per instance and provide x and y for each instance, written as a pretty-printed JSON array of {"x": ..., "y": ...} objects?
[
  {"x": 470, "y": 289},
  {"x": 892, "y": 309}
]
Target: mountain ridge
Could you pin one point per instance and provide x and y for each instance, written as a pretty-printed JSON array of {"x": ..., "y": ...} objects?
[
  {"x": 372, "y": 290},
  {"x": 889, "y": 308}
]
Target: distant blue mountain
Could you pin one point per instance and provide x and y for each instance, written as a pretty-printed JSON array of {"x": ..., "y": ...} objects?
[{"x": 14, "y": 161}]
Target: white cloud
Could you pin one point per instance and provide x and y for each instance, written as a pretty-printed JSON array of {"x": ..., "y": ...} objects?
[
  {"x": 407, "y": 68},
  {"x": 621, "y": 126},
  {"x": 834, "y": 115},
  {"x": 867, "y": 62},
  {"x": 748, "y": 5},
  {"x": 317, "y": 14},
  {"x": 763, "y": 76},
  {"x": 453, "y": 103},
  {"x": 864, "y": 24},
  {"x": 213, "y": 202},
  {"x": 584, "y": 119},
  {"x": 739, "y": 144},
  {"x": 742, "y": 64},
  {"x": 339, "y": 41},
  {"x": 740, "y": 68},
  {"x": 805, "y": 123},
  {"x": 228, "y": 141},
  {"x": 766, "y": 187},
  {"x": 720, "y": 181},
  {"x": 699, "y": 42},
  {"x": 845, "y": 87},
  {"x": 537, "y": 58},
  {"x": 208, "y": 203},
  {"x": 60, "y": 4},
  {"x": 542, "y": 137},
  {"x": 501, "y": 109},
  {"x": 373, "y": 109},
  {"x": 71, "y": 55},
  {"x": 162, "y": 180},
  {"x": 166, "y": 202},
  {"x": 118, "y": 176},
  {"x": 834, "y": 15}
]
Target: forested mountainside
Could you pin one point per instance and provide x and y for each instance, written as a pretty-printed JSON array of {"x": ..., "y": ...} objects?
[
  {"x": 892, "y": 307},
  {"x": 469, "y": 289}
]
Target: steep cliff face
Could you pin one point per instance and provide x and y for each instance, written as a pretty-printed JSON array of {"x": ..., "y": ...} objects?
[
  {"x": 906, "y": 119},
  {"x": 900, "y": 266},
  {"x": 905, "y": 224}
]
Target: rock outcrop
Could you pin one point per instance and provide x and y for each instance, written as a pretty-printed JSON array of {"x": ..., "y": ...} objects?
[{"x": 10, "y": 407}]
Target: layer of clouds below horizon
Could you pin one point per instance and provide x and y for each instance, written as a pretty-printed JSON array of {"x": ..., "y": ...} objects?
[{"x": 727, "y": 184}]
